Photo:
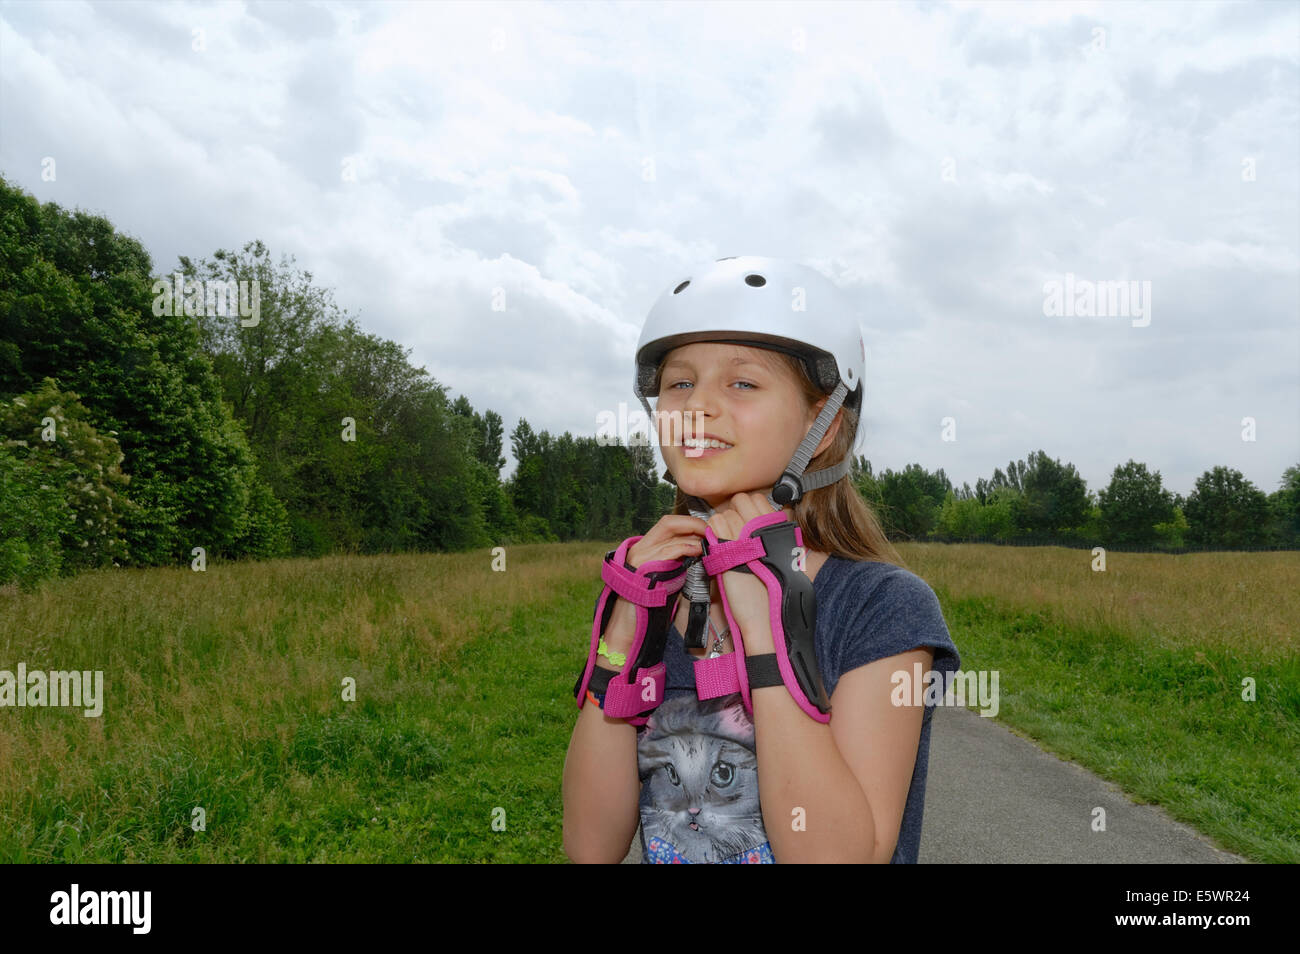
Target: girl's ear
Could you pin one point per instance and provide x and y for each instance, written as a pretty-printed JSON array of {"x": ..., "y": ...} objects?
[{"x": 817, "y": 409}]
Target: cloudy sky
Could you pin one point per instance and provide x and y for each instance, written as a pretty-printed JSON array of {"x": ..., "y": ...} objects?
[{"x": 941, "y": 162}]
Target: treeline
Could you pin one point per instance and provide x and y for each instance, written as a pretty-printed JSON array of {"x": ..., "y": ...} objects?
[
  {"x": 1041, "y": 500},
  {"x": 242, "y": 413},
  {"x": 239, "y": 412}
]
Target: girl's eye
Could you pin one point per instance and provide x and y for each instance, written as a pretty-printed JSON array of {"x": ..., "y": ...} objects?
[{"x": 748, "y": 385}]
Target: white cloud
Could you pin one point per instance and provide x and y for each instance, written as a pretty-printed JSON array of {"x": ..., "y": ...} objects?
[{"x": 938, "y": 160}]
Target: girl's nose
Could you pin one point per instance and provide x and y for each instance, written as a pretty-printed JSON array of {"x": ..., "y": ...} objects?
[{"x": 700, "y": 399}]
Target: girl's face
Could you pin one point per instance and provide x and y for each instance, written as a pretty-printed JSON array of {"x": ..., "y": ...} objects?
[{"x": 743, "y": 396}]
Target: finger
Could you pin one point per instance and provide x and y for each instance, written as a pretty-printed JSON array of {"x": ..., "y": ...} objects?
[
  {"x": 680, "y": 545},
  {"x": 681, "y": 520},
  {"x": 678, "y": 526}
]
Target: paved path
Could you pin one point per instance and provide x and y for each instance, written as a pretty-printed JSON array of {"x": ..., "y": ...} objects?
[{"x": 994, "y": 797}]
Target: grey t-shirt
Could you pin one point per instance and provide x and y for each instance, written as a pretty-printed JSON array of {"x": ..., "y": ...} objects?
[{"x": 696, "y": 759}]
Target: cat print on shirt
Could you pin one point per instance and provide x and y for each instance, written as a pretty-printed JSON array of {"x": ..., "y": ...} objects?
[{"x": 699, "y": 775}]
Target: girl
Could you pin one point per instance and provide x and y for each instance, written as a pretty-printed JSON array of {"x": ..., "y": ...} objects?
[{"x": 757, "y": 366}]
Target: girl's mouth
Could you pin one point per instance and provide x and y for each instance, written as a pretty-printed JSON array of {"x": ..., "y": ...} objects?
[{"x": 695, "y": 450}]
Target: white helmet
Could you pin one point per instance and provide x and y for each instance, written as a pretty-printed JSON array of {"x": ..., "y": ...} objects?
[{"x": 765, "y": 303}]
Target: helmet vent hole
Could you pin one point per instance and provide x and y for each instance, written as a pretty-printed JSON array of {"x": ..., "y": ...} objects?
[
  {"x": 678, "y": 289},
  {"x": 757, "y": 281}
]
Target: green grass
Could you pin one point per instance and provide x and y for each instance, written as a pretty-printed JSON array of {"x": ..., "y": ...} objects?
[
  {"x": 223, "y": 691},
  {"x": 1167, "y": 725},
  {"x": 417, "y": 769}
]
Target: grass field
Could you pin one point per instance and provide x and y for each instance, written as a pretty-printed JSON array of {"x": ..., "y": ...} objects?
[{"x": 224, "y": 691}]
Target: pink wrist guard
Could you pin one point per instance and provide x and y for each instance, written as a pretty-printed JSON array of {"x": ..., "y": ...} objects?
[
  {"x": 638, "y": 689},
  {"x": 767, "y": 548}
]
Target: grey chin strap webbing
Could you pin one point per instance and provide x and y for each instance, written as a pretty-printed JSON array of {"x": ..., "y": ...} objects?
[{"x": 788, "y": 490}]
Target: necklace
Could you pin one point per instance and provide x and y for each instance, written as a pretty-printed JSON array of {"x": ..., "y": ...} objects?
[{"x": 718, "y": 639}]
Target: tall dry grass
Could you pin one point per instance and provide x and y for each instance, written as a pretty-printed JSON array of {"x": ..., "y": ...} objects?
[
  {"x": 1243, "y": 601},
  {"x": 225, "y": 659}
]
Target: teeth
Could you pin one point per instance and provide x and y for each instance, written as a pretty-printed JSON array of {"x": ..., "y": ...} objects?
[{"x": 696, "y": 442}]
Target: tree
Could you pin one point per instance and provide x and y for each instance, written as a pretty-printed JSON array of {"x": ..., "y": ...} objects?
[
  {"x": 51, "y": 431},
  {"x": 33, "y": 520},
  {"x": 525, "y": 486},
  {"x": 865, "y": 482},
  {"x": 1054, "y": 497},
  {"x": 1226, "y": 510},
  {"x": 1011, "y": 480},
  {"x": 366, "y": 449},
  {"x": 958, "y": 518},
  {"x": 911, "y": 498},
  {"x": 77, "y": 306},
  {"x": 486, "y": 446},
  {"x": 492, "y": 430},
  {"x": 1284, "y": 506},
  {"x": 1133, "y": 504}
]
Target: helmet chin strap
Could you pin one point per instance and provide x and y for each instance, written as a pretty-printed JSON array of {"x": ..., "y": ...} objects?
[{"x": 788, "y": 490}]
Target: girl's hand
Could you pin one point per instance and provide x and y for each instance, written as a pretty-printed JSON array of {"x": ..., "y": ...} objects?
[
  {"x": 746, "y": 595},
  {"x": 674, "y": 537}
]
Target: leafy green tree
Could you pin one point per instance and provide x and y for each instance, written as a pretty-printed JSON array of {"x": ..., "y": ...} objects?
[
  {"x": 488, "y": 431},
  {"x": 1225, "y": 509},
  {"x": 911, "y": 499},
  {"x": 366, "y": 450},
  {"x": 1284, "y": 507},
  {"x": 865, "y": 481},
  {"x": 526, "y": 489},
  {"x": 1013, "y": 479},
  {"x": 958, "y": 519},
  {"x": 33, "y": 520},
  {"x": 77, "y": 306},
  {"x": 1133, "y": 504},
  {"x": 998, "y": 515},
  {"x": 1172, "y": 534},
  {"x": 51, "y": 430},
  {"x": 1054, "y": 498}
]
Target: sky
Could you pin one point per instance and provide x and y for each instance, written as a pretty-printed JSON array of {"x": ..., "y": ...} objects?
[{"x": 506, "y": 189}]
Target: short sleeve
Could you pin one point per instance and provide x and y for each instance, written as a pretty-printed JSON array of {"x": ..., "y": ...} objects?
[{"x": 884, "y": 612}]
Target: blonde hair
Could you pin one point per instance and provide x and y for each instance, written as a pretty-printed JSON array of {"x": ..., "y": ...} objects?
[{"x": 835, "y": 519}]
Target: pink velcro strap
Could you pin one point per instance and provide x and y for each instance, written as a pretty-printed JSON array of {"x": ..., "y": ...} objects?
[
  {"x": 636, "y": 588},
  {"x": 716, "y": 677},
  {"x": 623, "y": 699},
  {"x": 726, "y": 554},
  {"x": 633, "y": 585}
]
